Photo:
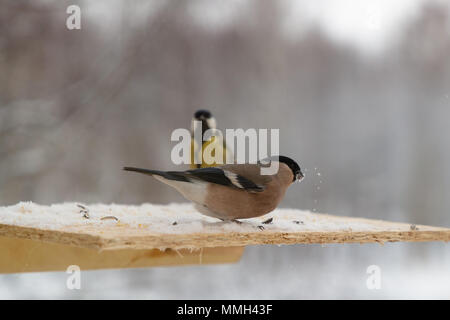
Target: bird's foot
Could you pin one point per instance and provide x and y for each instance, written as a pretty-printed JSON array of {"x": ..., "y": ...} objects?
[{"x": 231, "y": 220}]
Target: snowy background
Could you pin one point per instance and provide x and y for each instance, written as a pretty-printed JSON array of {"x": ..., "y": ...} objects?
[{"x": 360, "y": 92}]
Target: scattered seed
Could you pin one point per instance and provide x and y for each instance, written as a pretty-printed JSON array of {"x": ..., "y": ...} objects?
[
  {"x": 109, "y": 217},
  {"x": 413, "y": 227},
  {"x": 268, "y": 221},
  {"x": 84, "y": 211},
  {"x": 298, "y": 222}
]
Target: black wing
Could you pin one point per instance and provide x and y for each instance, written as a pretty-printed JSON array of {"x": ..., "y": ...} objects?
[
  {"x": 211, "y": 175},
  {"x": 224, "y": 178}
]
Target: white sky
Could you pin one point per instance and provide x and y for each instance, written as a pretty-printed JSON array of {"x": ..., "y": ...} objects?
[{"x": 367, "y": 24}]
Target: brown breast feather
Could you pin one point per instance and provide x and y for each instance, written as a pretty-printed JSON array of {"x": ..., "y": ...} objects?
[{"x": 229, "y": 203}]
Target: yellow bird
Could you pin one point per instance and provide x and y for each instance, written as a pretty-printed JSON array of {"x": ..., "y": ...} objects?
[{"x": 206, "y": 159}]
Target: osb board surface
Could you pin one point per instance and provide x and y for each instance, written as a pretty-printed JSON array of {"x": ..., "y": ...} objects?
[{"x": 179, "y": 226}]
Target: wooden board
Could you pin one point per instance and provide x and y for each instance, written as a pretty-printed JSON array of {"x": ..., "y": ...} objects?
[
  {"x": 194, "y": 231},
  {"x": 23, "y": 255}
]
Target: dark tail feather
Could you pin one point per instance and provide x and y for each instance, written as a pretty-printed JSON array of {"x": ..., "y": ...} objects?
[
  {"x": 144, "y": 171},
  {"x": 170, "y": 175}
]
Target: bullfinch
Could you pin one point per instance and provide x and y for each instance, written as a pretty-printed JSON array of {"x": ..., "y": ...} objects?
[
  {"x": 207, "y": 121},
  {"x": 232, "y": 191}
]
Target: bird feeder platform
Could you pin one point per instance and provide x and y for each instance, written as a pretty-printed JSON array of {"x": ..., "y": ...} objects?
[{"x": 50, "y": 238}]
